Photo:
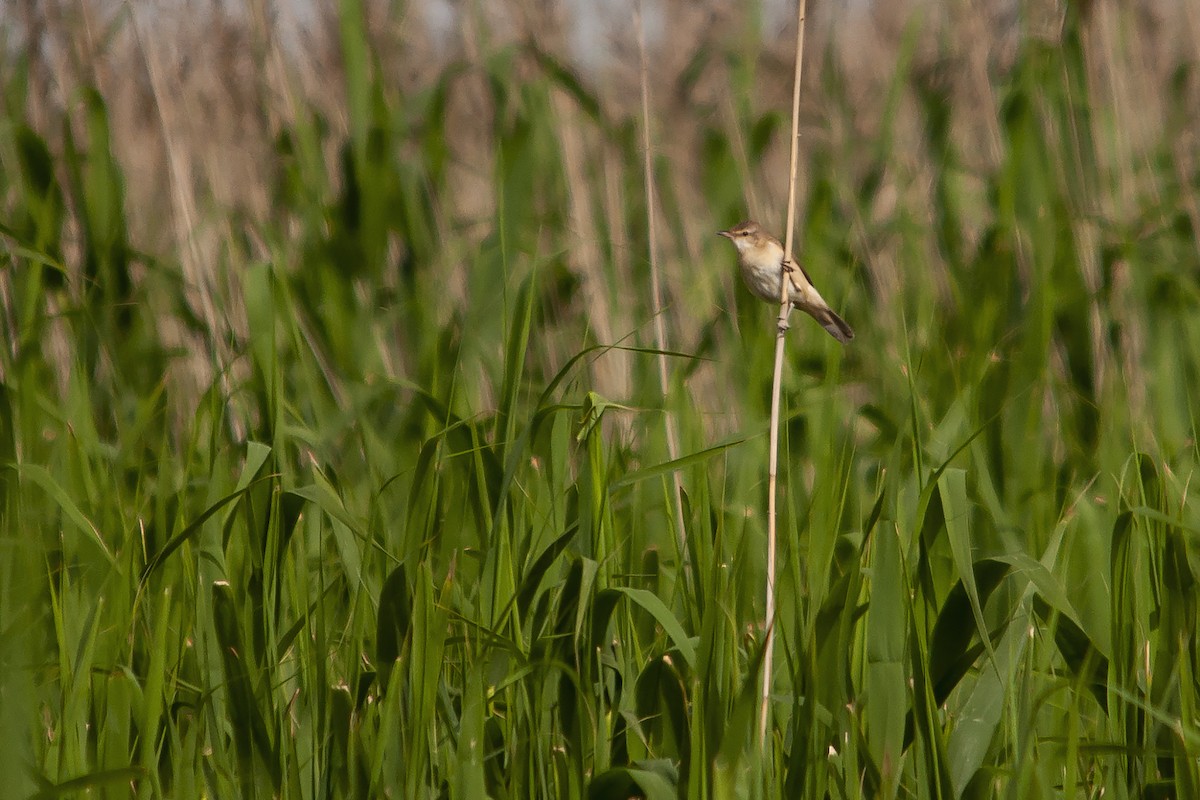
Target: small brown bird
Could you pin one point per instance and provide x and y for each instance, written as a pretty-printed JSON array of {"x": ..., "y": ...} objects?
[{"x": 760, "y": 257}]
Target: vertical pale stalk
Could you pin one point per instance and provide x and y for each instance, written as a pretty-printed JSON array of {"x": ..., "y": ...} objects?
[
  {"x": 776, "y": 387},
  {"x": 184, "y": 217},
  {"x": 660, "y": 325}
]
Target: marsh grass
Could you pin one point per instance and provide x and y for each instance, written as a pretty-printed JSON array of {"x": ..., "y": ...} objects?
[{"x": 385, "y": 516}]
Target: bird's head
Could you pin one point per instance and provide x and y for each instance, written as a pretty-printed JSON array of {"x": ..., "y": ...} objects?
[{"x": 745, "y": 236}]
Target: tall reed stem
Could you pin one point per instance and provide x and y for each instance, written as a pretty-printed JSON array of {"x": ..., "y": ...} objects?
[{"x": 776, "y": 386}]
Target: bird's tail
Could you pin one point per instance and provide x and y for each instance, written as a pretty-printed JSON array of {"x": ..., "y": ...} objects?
[{"x": 836, "y": 326}]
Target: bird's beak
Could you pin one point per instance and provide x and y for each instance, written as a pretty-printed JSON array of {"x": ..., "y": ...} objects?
[{"x": 726, "y": 234}]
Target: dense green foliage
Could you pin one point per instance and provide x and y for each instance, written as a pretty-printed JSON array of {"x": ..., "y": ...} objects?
[{"x": 398, "y": 545}]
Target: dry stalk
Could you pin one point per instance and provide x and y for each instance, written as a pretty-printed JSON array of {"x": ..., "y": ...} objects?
[
  {"x": 660, "y": 326},
  {"x": 776, "y": 387}
]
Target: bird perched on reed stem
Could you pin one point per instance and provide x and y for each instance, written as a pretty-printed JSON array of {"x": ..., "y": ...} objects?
[{"x": 761, "y": 260}]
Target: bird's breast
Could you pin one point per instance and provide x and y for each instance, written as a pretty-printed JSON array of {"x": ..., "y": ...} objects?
[{"x": 762, "y": 280}]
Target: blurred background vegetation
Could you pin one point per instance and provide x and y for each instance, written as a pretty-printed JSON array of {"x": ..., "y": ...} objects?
[{"x": 332, "y": 449}]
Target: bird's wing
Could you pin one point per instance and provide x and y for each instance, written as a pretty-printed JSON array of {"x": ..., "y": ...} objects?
[{"x": 796, "y": 283}]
